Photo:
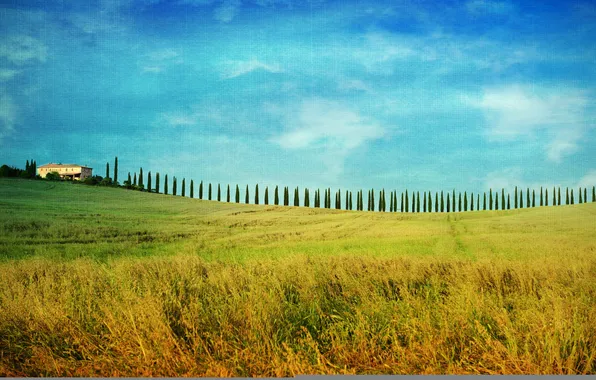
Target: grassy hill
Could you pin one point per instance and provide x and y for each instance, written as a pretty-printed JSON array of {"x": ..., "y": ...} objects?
[{"x": 103, "y": 281}]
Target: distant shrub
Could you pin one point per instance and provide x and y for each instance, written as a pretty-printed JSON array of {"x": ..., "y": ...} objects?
[{"x": 53, "y": 176}]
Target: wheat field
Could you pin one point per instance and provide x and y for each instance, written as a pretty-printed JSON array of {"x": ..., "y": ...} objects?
[{"x": 107, "y": 282}]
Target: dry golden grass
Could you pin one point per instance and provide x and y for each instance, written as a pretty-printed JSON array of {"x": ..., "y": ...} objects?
[{"x": 183, "y": 316}]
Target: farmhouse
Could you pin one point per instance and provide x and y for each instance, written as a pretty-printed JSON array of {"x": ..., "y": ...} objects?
[{"x": 67, "y": 171}]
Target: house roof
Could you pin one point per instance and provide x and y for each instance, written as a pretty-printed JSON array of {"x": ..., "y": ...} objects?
[{"x": 52, "y": 165}]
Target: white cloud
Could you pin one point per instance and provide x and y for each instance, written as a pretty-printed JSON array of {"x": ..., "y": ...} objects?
[
  {"x": 21, "y": 50},
  {"x": 329, "y": 127},
  {"x": 7, "y": 74},
  {"x": 514, "y": 112},
  {"x": 7, "y": 115},
  {"x": 330, "y": 124},
  {"x": 233, "y": 69}
]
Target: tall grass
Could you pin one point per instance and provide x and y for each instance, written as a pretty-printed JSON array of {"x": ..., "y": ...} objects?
[{"x": 181, "y": 316}]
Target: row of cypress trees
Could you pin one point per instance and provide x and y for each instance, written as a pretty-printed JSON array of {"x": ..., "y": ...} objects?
[
  {"x": 415, "y": 202},
  {"x": 408, "y": 202}
]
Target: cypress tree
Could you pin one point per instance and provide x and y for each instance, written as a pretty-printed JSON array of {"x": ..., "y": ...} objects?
[
  {"x": 533, "y": 198},
  {"x": 237, "y": 195},
  {"x": 418, "y": 201},
  {"x": 471, "y": 201},
  {"x": 593, "y": 193},
  {"x": 107, "y": 169},
  {"x": 157, "y": 182},
  {"x": 515, "y": 198},
  {"x": 286, "y": 195},
  {"x": 585, "y": 191},
  {"x": 459, "y": 203},
  {"x": 521, "y": 199},
  {"x": 209, "y": 191},
  {"x": 402, "y": 203},
  {"x": 183, "y": 187},
  {"x": 174, "y": 186},
  {"x": 391, "y": 203},
  {"x": 201, "y": 190},
  {"x": 257, "y": 194},
  {"x": 448, "y": 203},
  {"x": 350, "y": 203},
  {"x": 129, "y": 180},
  {"x": 246, "y": 201},
  {"x": 580, "y": 196},
  {"x": 541, "y": 197},
  {"x": 528, "y": 201},
  {"x": 424, "y": 202},
  {"x": 554, "y": 196},
  {"x": 477, "y": 202},
  {"x": 316, "y": 201},
  {"x": 141, "y": 177},
  {"x": 497, "y": 203},
  {"x": 442, "y": 202},
  {"x": 296, "y": 197},
  {"x": 219, "y": 192},
  {"x": 165, "y": 186},
  {"x": 436, "y": 201},
  {"x": 28, "y": 169},
  {"x": 465, "y": 201},
  {"x": 559, "y": 196},
  {"x": 347, "y": 200},
  {"x": 276, "y": 196},
  {"x": 546, "y": 196},
  {"x": 372, "y": 200},
  {"x": 135, "y": 179},
  {"x": 306, "y": 197},
  {"x": 453, "y": 201},
  {"x": 337, "y": 200},
  {"x": 484, "y": 202},
  {"x": 502, "y": 199},
  {"x": 572, "y": 196},
  {"x": 430, "y": 202},
  {"x": 149, "y": 182},
  {"x": 267, "y": 195},
  {"x": 490, "y": 199},
  {"x": 508, "y": 202},
  {"x": 192, "y": 188},
  {"x": 407, "y": 202},
  {"x": 116, "y": 172},
  {"x": 228, "y": 195},
  {"x": 567, "y": 196}
]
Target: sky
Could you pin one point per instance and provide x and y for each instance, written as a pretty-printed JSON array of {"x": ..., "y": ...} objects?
[{"x": 418, "y": 95}]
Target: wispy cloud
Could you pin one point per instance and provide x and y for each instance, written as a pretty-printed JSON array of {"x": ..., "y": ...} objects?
[
  {"x": 233, "y": 69},
  {"x": 477, "y": 7},
  {"x": 330, "y": 126},
  {"x": 588, "y": 180},
  {"x": 516, "y": 111},
  {"x": 158, "y": 61},
  {"x": 21, "y": 50},
  {"x": 176, "y": 119},
  {"x": 8, "y": 74},
  {"x": 7, "y": 115},
  {"x": 226, "y": 11}
]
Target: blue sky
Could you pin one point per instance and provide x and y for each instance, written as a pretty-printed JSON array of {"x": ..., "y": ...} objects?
[{"x": 399, "y": 94}]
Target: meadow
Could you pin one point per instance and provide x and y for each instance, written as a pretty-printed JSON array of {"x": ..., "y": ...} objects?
[{"x": 102, "y": 281}]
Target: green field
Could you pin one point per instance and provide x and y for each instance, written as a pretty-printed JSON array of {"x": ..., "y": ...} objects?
[{"x": 104, "y": 281}]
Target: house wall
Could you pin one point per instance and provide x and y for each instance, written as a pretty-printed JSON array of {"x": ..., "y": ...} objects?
[{"x": 76, "y": 172}]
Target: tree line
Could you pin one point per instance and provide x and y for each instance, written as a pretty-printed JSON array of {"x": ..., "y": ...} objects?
[{"x": 416, "y": 202}]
